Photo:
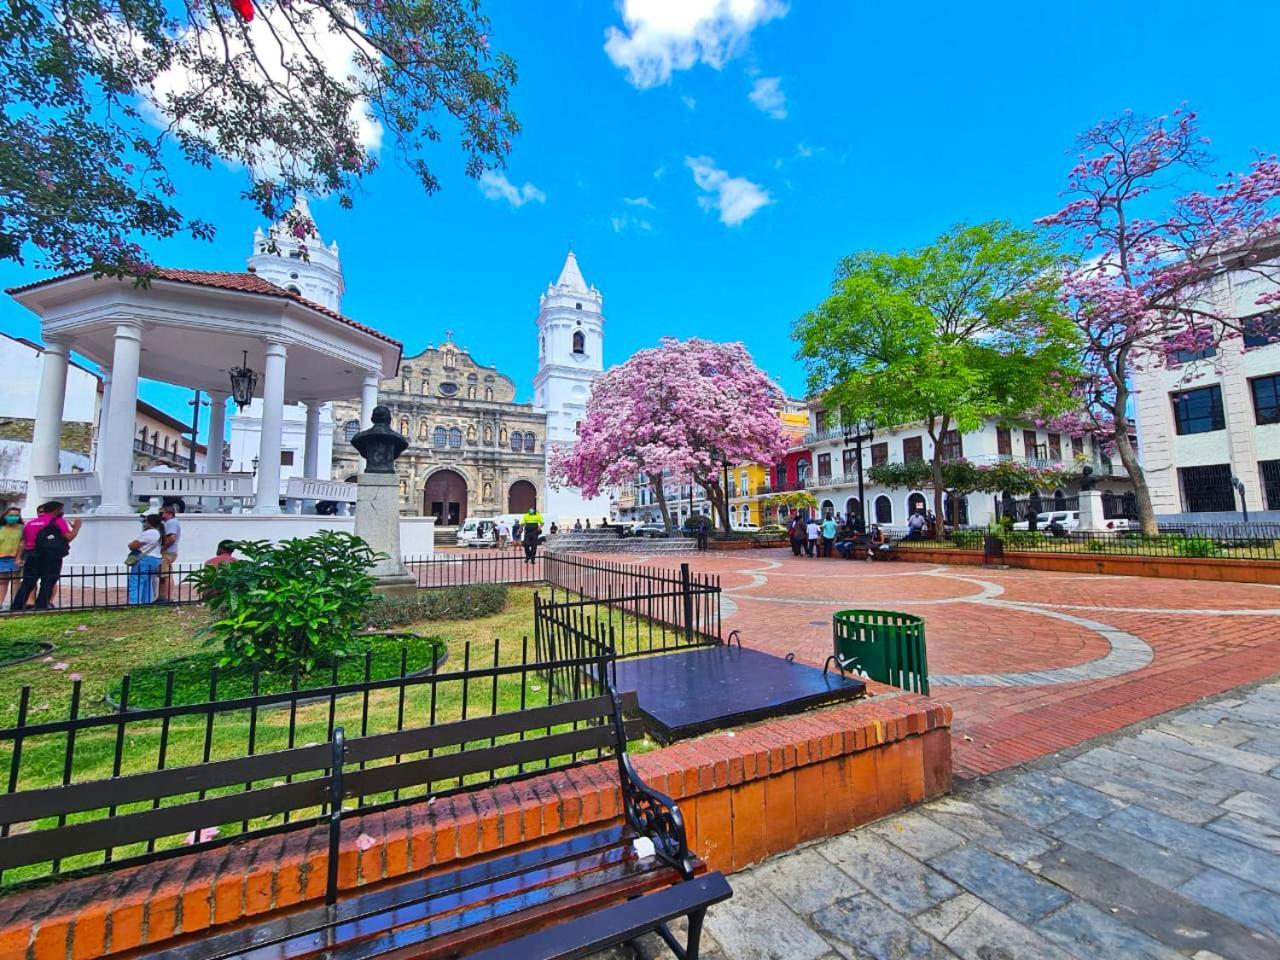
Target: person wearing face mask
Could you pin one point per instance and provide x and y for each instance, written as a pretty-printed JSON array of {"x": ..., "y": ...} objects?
[{"x": 10, "y": 550}]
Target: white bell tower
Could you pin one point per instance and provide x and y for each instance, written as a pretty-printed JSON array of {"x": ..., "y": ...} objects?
[
  {"x": 301, "y": 264},
  {"x": 570, "y": 356}
]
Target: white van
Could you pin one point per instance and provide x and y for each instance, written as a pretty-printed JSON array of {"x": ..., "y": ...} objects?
[{"x": 477, "y": 532}]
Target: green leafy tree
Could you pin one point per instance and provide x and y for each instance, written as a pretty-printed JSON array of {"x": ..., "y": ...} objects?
[
  {"x": 966, "y": 328},
  {"x": 100, "y": 95},
  {"x": 290, "y": 603}
]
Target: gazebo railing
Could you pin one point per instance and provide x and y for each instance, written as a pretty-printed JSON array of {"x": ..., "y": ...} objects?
[{"x": 68, "y": 487}]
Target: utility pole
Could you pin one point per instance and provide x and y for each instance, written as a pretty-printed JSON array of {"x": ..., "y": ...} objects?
[{"x": 196, "y": 403}]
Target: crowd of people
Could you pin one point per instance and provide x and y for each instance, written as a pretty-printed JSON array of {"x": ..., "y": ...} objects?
[{"x": 836, "y": 534}]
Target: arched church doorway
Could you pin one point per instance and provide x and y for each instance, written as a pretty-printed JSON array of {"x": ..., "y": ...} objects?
[
  {"x": 522, "y": 496},
  {"x": 445, "y": 498}
]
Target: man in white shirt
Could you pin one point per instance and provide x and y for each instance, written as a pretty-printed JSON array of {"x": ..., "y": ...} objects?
[
  {"x": 504, "y": 534},
  {"x": 813, "y": 532},
  {"x": 168, "y": 552}
]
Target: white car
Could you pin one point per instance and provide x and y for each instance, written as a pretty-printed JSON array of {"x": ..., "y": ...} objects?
[
  {"x": 1069, "y": 520},
  {"x": 477, "y": 532},
  {"x": 747, "y": 527}
]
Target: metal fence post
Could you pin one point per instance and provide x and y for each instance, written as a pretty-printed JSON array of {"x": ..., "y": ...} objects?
[
  {"x": 686, "y": 591},
  {"x": 335, "y": 815}
]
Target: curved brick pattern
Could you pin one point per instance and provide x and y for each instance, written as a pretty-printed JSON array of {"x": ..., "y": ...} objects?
[
  {"x": 745, "y": 794},
  {"x": 1201, "y": 638}
]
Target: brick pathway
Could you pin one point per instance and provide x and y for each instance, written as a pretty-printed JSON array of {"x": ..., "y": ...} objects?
[
  {"x": 1160, "y": 843},
  {"x": 1031, "y": 661}
]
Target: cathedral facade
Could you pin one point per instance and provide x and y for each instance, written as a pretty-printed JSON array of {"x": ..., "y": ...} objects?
[{"x": 472, "y": 449}]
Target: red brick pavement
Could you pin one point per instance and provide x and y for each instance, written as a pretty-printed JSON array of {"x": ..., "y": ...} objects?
[{"x": 1195, "y": 654}]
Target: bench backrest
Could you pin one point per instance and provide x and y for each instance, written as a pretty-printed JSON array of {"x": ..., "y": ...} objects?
[{"x": 145, "y": 808}]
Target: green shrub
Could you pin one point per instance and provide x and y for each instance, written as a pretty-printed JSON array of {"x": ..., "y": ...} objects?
[
  {"x": 968, "y": 539},
  {"x": 1095, "y": 546},
  {"x": 288, "y": 603},
  {"x": 450, "y": 603},
  {"x": 1025, "y": 538},
  {"x": 1196, "y": 547}
]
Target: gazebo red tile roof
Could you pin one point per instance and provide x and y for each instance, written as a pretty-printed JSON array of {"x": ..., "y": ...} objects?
[{"x": 224, "y": 280}]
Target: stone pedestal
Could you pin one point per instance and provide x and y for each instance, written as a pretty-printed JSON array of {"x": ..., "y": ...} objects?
[
  {"x": 1091, "y": 517},
  {"x": 378, "y": 524}
]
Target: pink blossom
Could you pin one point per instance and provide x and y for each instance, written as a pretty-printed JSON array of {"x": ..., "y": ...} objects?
[
  {"x": 364, "y": 842},
  {"x": 74, "y": 677},
  {"x": 206, "y": 834},
  {"x": 61, "y": 665}
]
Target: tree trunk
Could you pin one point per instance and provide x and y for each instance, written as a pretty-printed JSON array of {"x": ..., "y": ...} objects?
[
  {"x": 655, "y": 481},
  {"x": 1141, "y": 492},
  {"x": 719, "y": 501},
  {"x": 935, "y": 468}
]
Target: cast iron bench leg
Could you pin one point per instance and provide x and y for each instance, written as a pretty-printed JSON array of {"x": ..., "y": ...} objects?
[{"x": 693, "y": 940}]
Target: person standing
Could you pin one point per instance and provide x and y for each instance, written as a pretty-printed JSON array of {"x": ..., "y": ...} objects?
[
  {"x": 915, "y": 526},
  {"x": 812, "y": 533},
  {"x": 703, "y": 525},
  {"x": 503, "y": 531},
  {"x": 47, "y": 541},
  {"x": 171, "y": 536},
  {"x": 10, "y": 550},
  {"x": 798, "y": 535},
  {"x": 530, "y": 528},
  {"x": 829, "y": 528},
  {"x": 147, "y": 552}
]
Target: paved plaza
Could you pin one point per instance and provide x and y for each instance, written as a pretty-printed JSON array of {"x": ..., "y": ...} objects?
[
  {"x": 1032, "y": 662},
  {"x": 1159, "y": 843}
]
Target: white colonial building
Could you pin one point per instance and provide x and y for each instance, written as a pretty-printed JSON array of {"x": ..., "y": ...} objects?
[
  {"x": 1209, "y": 421},
  {"x": 828, "y": 468},
  {"x": 570, "y": 356}
]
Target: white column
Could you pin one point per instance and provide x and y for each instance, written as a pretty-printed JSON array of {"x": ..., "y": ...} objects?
[
  {"x": 217, "y": 431},
  {"x": 368, "y": 400},
  {"x": 115, "y": 449},
  {"x": 103, "y": 407},
  {"x": 271, "y": 440},
  {"x": 311, "y": 450},
  {"x": 46, "y": 436}
]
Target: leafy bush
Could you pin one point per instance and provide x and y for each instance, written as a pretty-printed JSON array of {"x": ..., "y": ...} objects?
[
  {"x": 1095, "y": 546},
  {"x": 1196, "y": 547},
  {"x": 451, "y": 603},
  {"x": 1025, "y": 538},
  {"x": 288, "y": 603},
  {"x": 968, "y": 539}
]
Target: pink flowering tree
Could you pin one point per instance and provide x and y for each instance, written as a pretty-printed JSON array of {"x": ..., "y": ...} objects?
[
  {"x": 1150, "y": 257},
  {"x": 685, "y": 408}
]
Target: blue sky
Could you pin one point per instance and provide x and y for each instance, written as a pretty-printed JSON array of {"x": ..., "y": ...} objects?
[{"x": 870, "y": 127}]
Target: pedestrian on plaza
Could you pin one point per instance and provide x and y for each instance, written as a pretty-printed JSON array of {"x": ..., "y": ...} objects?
[
  {"x": 915, "y": 526},
  {"x": 47, "y": 541},
  {"x": 798, "y": 535},
  {"x": 530, "y": 529},
  {"x": 10, "y": 550},
  {"x": 168, "y": 552},
  {"x": 502, "y": 530},
  {"x": 554, "y": 529},
  {"x": 515, "y": 532},
  {"x": 829, "y": 528},
  {"x": 812, "y": 534},
  {"x": 577, "y": 524},
  {"x": 703, "y": 531},
  {"x": 226, "y": 553},
  {"x": 859, "y": 525},
  {"x": 145, "y": 559},
  {"x": 588, "y": 523}
]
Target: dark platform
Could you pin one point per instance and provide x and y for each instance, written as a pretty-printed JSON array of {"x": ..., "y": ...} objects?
[{"x": 709, "y": 688}]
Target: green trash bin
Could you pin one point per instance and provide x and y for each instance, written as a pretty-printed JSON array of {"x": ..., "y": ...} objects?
[{"x": 884, "y": 645}]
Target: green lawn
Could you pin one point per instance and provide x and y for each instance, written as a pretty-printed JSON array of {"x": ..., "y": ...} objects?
[{"x": 97, "y": 648}]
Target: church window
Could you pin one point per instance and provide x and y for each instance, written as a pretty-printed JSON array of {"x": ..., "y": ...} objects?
[
  {"x": 455, "y": 437},
  {"x": 350, "y": 429},
  {"x": 293, "y": 288},
  {"x": 529, "y": 441},
  {"x": 406, "y": 371},
  {"x": 517, "y": 441},
  {"x": 448, "y": 389},
  {"x": 488, "y": 393},
  {"x": 579, "y": 342},
  {"x": 440, "y": 437}
]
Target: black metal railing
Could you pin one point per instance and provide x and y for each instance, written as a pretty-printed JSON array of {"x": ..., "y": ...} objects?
[
  {"x": 98, "y": 745},
  {"x": 1185, "y": 541},
  {"x": 107, "y": 587},
  {"x": 507, "y": 565}
]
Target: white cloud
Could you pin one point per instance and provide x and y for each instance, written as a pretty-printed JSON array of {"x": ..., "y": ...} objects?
[
  {"x": 495, "y": 186},
  {"x": 735, "y": 198},
  {"x": 766, "y": 93},
  {"x": 689, "y": 102},
  {"x": 281, "y": 43},
  {"x": 638, "y": 202},
  {"x": 624, "y": 220},
  {"x": 804, "y": 151},
  {"x": 662, "y": 36},
  {"x": 660, "y": 171}
]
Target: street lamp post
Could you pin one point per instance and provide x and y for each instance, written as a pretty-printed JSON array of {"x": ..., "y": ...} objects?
[{"x": 858, "y": 432}]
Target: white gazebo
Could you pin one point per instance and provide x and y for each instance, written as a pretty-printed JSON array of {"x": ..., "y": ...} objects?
[{"x": 192, "y": 328}]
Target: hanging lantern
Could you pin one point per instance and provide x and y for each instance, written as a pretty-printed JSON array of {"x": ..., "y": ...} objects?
[{"x": 243, "y": 383}]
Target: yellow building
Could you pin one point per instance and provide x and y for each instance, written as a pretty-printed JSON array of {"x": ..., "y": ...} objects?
[{"x": 752, "y": 483}]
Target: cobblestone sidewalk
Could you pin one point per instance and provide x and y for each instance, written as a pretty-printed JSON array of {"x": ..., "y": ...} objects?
[{"x": 1161, "y": 842}]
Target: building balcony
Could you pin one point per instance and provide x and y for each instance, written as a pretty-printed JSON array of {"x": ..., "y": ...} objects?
[
  {"x": 1101, "y": 468},
  {"x": 827, "y": 433},
  {"x": 171, "y": 457}
]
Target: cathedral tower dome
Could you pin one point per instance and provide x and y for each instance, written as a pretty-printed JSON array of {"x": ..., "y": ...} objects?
[{"x": 302, "y": 264}]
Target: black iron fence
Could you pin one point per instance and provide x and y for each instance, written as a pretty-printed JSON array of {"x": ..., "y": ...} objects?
[
  {"x": 1185, "y": 541},
  {"x": 647, "y": 609},
  {"x": 104, "y": 587},
  {"x": 496, "y": 565},
  {"x": 98, "y": 786}
]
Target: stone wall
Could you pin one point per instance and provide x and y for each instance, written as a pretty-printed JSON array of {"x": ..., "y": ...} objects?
[{"x": 76, "y": 437}]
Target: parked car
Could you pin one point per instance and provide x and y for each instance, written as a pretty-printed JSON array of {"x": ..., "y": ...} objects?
[
  {"x": 1122, "y": 524},
  {"x": 648, "y": 530},
  {"x": 747, "y": 527},
  {"x": 1069, "y": 520},
  {"x": 477, "y": 532}
]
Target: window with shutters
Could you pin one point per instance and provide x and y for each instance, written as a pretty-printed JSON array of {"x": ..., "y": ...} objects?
[{"x": 912, "y": 449}]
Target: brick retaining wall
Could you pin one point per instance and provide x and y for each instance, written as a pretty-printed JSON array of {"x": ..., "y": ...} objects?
[
  {"x": 1172, "y": 568},
  {"x": 745, "y": 794}
]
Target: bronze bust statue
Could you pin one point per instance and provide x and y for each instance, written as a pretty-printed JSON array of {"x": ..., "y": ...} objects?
[{"x": 380, "y": 445}]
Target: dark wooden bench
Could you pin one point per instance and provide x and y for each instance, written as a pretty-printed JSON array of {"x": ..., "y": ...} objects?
[{"x": 567, "y": 898}]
